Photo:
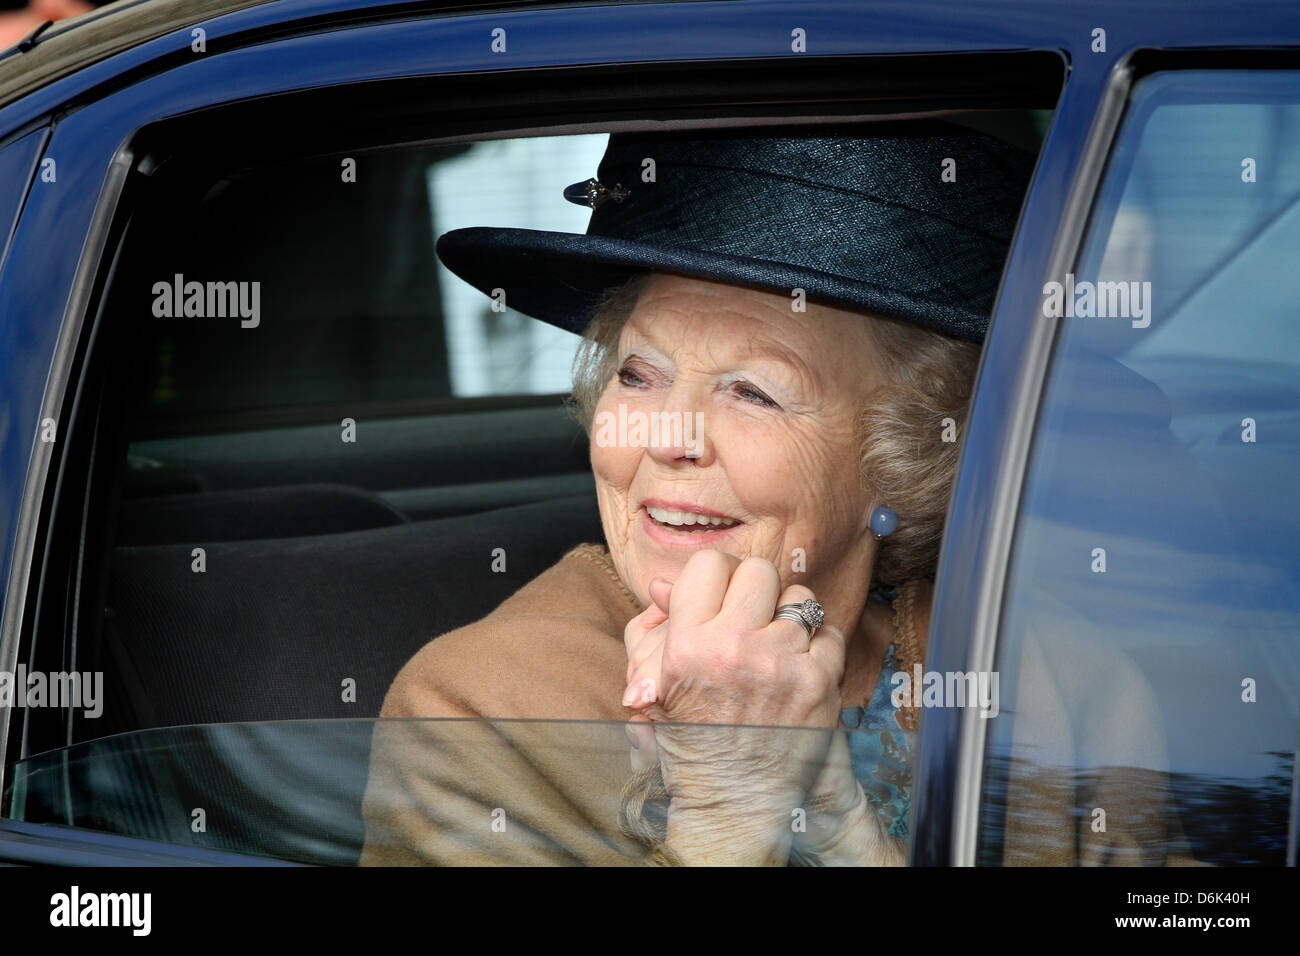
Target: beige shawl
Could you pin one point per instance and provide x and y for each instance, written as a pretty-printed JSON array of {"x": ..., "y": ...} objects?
[{"x": 501, "y": 791}]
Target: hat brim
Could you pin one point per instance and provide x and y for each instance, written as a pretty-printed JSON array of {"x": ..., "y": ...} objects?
[{"x": 559, "y": 277}]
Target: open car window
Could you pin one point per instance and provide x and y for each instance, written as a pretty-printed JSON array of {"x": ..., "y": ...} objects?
[{"x": 304, "y": 450}]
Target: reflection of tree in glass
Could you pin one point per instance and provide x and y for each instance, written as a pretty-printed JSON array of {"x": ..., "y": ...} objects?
[
  {"x": 1036, "y": 815},
  {"x": 1233, "y": 821}
]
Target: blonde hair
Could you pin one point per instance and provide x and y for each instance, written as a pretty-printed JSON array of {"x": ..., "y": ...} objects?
[{"x": 902, "y": 454}]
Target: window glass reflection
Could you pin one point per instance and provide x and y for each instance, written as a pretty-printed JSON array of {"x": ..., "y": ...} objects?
[{"x": 1150, "y": 647}]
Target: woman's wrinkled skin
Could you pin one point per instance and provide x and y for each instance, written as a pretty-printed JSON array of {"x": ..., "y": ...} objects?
[{"x": 779, "y": 393}]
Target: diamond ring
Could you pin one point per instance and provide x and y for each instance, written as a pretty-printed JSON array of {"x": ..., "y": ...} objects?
[{"x": 809, "y": 613}]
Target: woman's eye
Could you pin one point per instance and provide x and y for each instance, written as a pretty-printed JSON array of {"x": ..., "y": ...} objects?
[
  {"x": 750, "y": 393},
  {"x": 627, "y": 376}
]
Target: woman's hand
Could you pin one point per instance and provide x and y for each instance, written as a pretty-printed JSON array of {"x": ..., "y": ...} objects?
[
  {"x": 842, "y": 828},
  {"x": 715, "y": 656},
  {"x": 839, "y": 826}
]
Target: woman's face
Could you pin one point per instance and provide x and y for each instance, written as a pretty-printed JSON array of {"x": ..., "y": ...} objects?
[{"x": 753, "y": 448}]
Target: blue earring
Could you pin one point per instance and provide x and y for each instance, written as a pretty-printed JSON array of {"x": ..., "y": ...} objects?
[{"x": 883, "y": 521}]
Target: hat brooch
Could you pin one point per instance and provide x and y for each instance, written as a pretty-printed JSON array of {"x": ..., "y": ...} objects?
[{"x": 593, "y": 192}]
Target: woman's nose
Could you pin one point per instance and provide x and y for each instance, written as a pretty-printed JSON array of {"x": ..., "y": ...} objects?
[{"x": 677, "y": 430}]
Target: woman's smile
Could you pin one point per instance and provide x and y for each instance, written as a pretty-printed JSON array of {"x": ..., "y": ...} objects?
[{"x": 677, "y": 524}]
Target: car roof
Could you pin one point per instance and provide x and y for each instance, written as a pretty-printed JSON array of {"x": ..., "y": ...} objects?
[
  {"x": 69, "y": 45},
  {"x": 57, "y": 50}
]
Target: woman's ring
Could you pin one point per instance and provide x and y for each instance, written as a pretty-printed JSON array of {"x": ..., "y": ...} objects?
[{"x": 810, "y": 614}]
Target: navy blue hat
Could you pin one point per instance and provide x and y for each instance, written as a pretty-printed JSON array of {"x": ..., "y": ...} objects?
[{"x": 858, "y": 217}]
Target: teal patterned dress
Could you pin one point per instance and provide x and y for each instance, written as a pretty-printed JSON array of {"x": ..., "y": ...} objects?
[{"x": 881, "y": 750}]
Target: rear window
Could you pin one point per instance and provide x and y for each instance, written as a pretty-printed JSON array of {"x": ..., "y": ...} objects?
[{"x": 339, "y": 295}]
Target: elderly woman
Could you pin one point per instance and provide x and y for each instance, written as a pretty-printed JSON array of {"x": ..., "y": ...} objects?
[{"x": 795, "y": 314}]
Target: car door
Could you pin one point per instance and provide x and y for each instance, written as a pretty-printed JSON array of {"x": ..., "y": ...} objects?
[
  {"x": 1145, "y": 631},
  {"x": 168, "y": 150}
]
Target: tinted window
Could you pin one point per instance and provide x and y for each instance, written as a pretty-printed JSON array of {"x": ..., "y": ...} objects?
[
  {"x": 1150, "y": 645},
  {"x": 352, "y": 306}
]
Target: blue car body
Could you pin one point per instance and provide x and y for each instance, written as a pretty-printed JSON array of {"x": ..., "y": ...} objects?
[{"x": 87, "y": 119}]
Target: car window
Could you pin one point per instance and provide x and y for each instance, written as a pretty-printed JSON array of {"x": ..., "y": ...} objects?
[
  {"x": 1149, "y": 653},
  {"x": 514, "y": 183},
  {"x": 341, "y": 297},
  {"x": 339, "y": 349},
  {"x": 386, "y": 792}
]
